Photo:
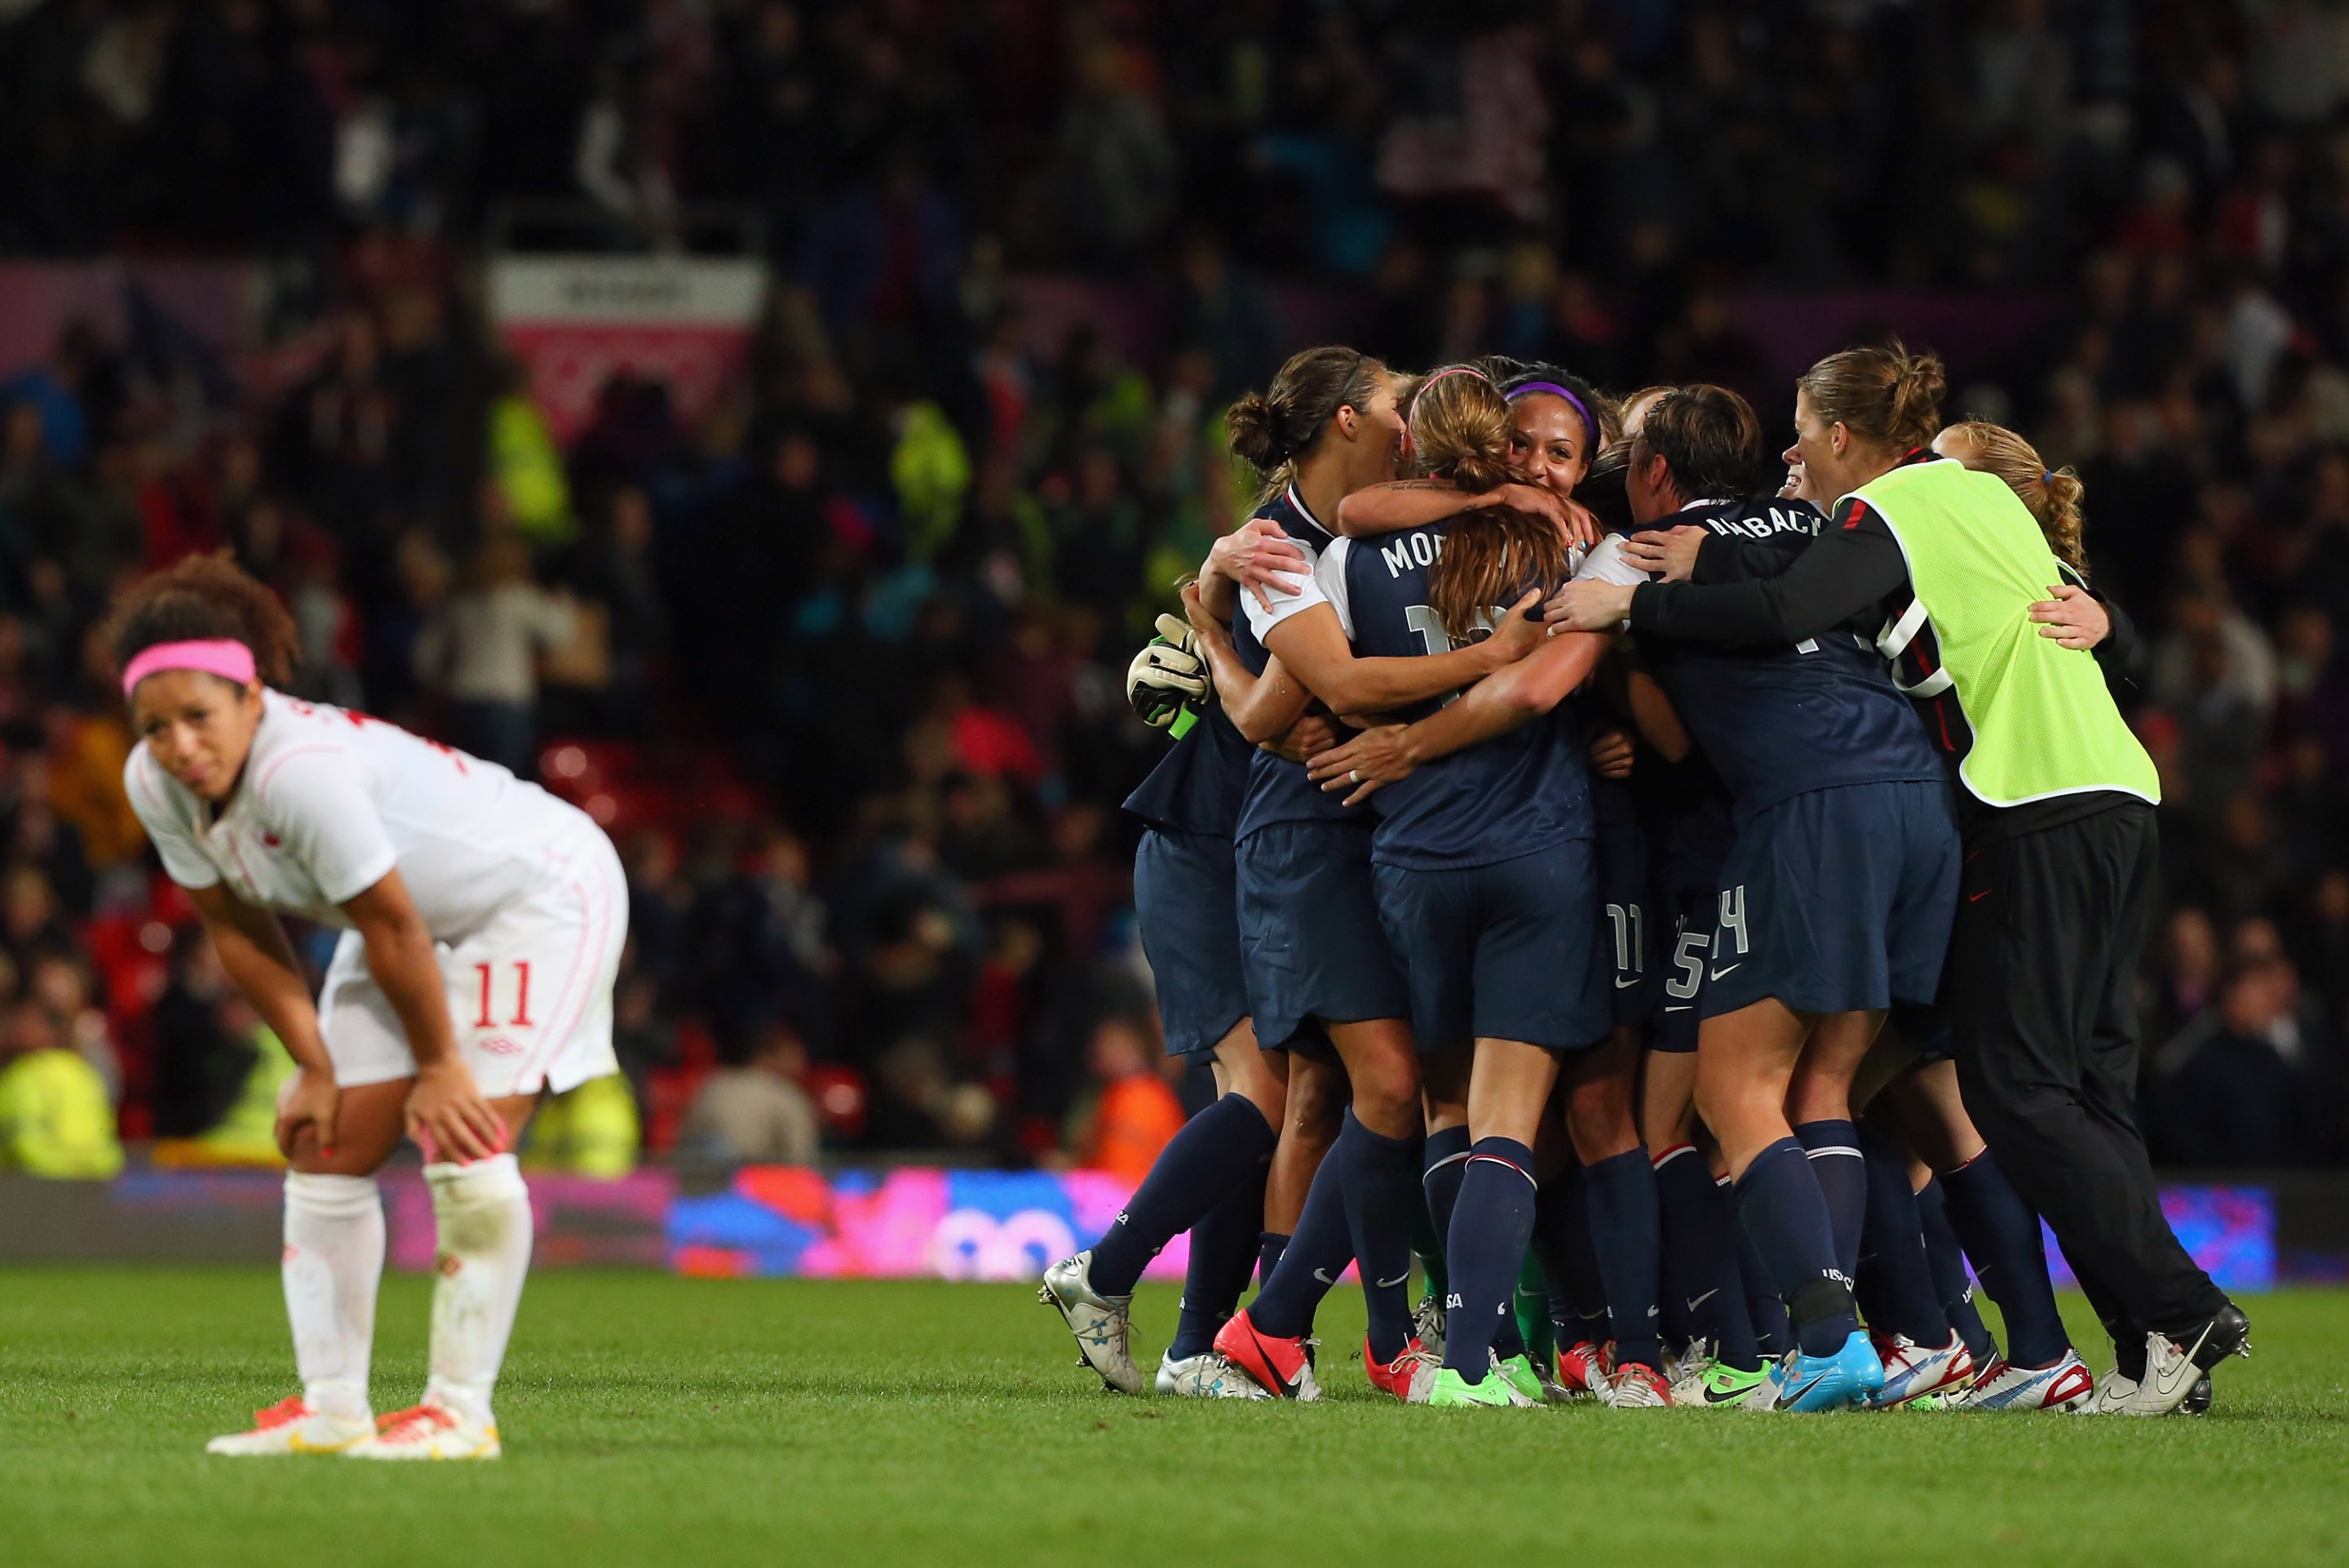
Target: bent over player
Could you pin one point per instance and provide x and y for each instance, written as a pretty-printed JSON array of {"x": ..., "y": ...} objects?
[{"x": 483, "y": 920}]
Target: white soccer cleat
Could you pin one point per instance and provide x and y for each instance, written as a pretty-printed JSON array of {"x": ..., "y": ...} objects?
[
  {"x": 291, "y": 1426},
  {"x": 428, "y": 1432},
  {"x": 1103, "y": 1324},
  {"x": 2066, "y": 1385},
  {"x": 2112, "y": 1395},
  {"x": 1427, "y": 1324},
  {"x": 2176, "y": 1371},
  {"x": 1914, "y": 1371},
  {"x": 1206, "y": 1375}
]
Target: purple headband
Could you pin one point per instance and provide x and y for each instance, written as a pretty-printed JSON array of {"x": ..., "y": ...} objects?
[{"x": 1590, "y": 425}]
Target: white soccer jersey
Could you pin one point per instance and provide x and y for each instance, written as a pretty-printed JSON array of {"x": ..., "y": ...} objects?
[{"x": 331, "y": 801}]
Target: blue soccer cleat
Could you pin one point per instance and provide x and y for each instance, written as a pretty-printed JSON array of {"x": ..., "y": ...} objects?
[{"x": 1835, "y": 1382}]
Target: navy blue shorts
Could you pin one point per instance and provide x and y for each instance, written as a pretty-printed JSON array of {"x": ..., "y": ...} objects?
[
  {"x": 1623, "y": 972},
  {"x": 1187, "y": 904},
  {"x": 1837, "y": 900},
  {"x": 1925, "y": 1030},
  {"x": 1689, "y": 850},
  {"x": 1688, "y": 949},
  {"x": 1311, "y": 942},
  {"x": 1500, "y": 951}
]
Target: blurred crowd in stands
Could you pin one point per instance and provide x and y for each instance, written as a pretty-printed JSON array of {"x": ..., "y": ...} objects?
[{"x": 839, "y": 662}]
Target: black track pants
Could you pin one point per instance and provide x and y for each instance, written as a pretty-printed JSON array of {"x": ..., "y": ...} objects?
[{"x": 2040, "y": 992}]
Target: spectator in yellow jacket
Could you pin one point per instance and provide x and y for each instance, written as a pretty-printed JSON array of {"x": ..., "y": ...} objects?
[{"x": 54, "y": 1118}]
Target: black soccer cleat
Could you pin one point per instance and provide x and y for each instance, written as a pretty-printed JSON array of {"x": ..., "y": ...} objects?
[{"x": 2230, "y": 1334}]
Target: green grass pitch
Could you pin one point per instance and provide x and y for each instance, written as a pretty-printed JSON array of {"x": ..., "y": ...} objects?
[{"x": 658, "y": 1420}]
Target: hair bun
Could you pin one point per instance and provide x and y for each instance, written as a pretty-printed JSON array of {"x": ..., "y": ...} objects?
[
  {"x": 1920, "y": 387},
  {"x": 1255, "y": 428}
]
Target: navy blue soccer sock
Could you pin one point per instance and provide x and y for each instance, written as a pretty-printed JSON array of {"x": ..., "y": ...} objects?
[
  {"x": 1212, "y": 1153},
  {"x": 1554, "y": 1245},
  {"x": 1778, "y": 1199},
  {"x": 1270, "y": 1246},
  {"x": 2002, "y": 1238},
  {"x": 1699, "y": 1226},
  {"x": 1627, "y": 1230},
  {"x": 1586, "y": 1283},
  {"x": 1893, "y": 1267},
  {"x": 1316, "y": 1255},
  {"x": 1381, "y": 1183},
  {"x": 1445, "y": 1157},
  {"x": 1485, "y": 1247},
  {"x": 1834, "y": 1149},
  {"x": 1427, "y": 1243},
  {"x": 1772, "y": 1334},
  {"x": 1222, "y": 1251},
  {"x": 1946, "y": 1259}
]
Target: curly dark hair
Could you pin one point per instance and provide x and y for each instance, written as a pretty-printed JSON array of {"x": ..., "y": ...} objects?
[{"x": 200, "y": 598}]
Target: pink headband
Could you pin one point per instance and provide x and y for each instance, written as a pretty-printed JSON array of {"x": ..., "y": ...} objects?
[
  {"x": 1453, "y": 370},
  {"x": 223, "y": 656}
]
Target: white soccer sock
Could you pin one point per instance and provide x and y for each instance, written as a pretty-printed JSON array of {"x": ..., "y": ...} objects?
[
  {"x": 332, "y": 1265},
  {"x": 483, "y": 1212}
]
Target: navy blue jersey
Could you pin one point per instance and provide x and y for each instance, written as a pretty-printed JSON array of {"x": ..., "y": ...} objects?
[
  {"x": 1197, "y": 786},
  {"x": 1777, "y": 722},
  {"x": 1513, "y": 795},
  {"x": 1277, "y": 789}
]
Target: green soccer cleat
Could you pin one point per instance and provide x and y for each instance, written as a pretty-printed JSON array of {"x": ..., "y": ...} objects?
[
  {"x": 1519, "y": 1372},
  {"x": 1719, "y": 1385},
  {"x": 1454, "y": 1392}
]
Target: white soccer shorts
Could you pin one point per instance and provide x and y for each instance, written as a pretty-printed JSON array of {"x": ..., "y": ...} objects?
[{"x": 529, "y": 994}]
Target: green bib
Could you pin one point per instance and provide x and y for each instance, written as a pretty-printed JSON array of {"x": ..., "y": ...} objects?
[{"x": 2044, "y": 723}]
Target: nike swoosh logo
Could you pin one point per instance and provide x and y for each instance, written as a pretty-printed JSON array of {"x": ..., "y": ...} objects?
[
  {"x": 1711, "y": 1397},
  {"x": 1978, "y": 897},
  {"x": 1731, "y": 970},
  {"x": 1398, "y": 1279},
  {"x": 1788, "y": 1396},
  {"x": 1626, "y": 984},
  {"x": 1695, "y": 1302},
  {"x": 1323, "y": 1276},
  {"x": 2166, "y": 1382},
  {"x": 1679, "y": 1006}
]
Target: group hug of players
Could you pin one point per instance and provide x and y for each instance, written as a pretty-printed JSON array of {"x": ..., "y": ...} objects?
[{"x": 1563, "y": 957}]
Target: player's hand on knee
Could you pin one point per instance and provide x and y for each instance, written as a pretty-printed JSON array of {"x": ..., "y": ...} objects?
[
  {"x": 310, "y": 1099},
  {"x": 449, "y": 1118}
]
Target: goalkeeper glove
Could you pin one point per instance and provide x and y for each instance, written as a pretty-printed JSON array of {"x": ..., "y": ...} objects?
[{"x": 1166, "y": 675}]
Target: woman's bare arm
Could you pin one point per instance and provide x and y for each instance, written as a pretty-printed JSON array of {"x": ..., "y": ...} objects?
[
  {"x": 1261, "y": 707},
  {"x": 1312, "y": 644},
  {"x": 1518, "y": 695},
  {"x": 1398, "y": 504}
]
